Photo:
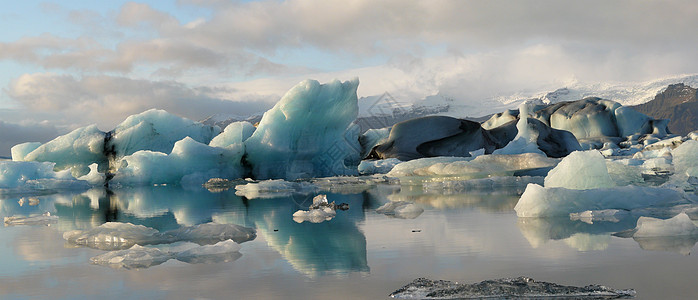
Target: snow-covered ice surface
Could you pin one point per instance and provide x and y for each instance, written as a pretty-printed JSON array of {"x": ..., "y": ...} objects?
[{"x": 505, "y": 288}]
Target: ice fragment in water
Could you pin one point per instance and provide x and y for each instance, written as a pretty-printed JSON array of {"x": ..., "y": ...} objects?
[
  {"x": 506, "y": 288},
  {"x": 112, "y": 236},
  {"x": 679, "y": 225},
  {"x": 319, "y": 211}
]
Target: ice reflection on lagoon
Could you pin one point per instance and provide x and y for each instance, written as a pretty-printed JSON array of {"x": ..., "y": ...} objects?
[{"x": 466, "y": 237}]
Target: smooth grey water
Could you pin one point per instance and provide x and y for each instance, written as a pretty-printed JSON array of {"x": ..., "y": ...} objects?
[{"x": 465, "y": 237}]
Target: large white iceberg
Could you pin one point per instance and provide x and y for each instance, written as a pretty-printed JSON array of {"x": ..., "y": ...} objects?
[
  {"x": 75, "y": 150},
  {"x": 308, "y": 133},
  {"x": 581, "y": 182},
  {"x": 155, "y": 130},
  {"x": 190, "y": 163},
  {"x": 580, "y": 170}
]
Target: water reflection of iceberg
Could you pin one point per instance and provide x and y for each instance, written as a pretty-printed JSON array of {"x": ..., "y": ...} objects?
[
  {"x": 333, "y": 247},
  {"x": 580, "y": 235}
]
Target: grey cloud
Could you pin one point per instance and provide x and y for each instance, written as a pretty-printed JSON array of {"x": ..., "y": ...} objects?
[
  {"x": 12, "y": 134},
  {"x": 107, "y": 100}
]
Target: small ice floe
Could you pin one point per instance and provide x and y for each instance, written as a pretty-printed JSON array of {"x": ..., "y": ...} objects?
[
  {"x": 603, "y": 215},
  {"x": 319, "y": 211},
  {"x": 45, "y": 219},
  {"x": 117, "y": 236},
  {"x": 32, "y": 201},
  {"x": 136, "y": 257},
  {"x": 217, "y": 185},
  {"x": 679, "y": 225},
  {"x": 400, "y": 209},
  {"x": 506, "y": 288}
]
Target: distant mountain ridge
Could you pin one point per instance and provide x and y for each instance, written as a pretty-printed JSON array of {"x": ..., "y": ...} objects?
[{"x": 679, "y": 103}]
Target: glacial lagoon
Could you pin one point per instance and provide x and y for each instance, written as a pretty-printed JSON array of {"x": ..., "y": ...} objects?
[{"x": 467, "y": 236}]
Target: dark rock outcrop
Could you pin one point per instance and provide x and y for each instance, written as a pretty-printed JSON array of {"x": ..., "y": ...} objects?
[{"x": 678, "y": 103}]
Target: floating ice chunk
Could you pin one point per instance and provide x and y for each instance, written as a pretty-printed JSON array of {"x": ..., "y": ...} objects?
[
  {"x": 190, "y": 163},
  {"x": 308, "y": 133},
  {"x": 27, "y": 177},
  {"x": 210, "y": 233},
  {"x": 319, "y": 211},
  {"x": 223, "y": 251},
  {"x": 19, "y": 151},
  {"x": 234, "y": 133},
  {"x": 693, "y": 135},
  {"x": 113, "y": 236},
  {"x": 604, "y": 215},
  {"x": 400, "y": 209},
  {"x": 580, "y": 170},
  {"x": 44, "y": 219},
  {"x": 685, "y": 158},
  {"x": 273, "y": 188},
  {"x": 481, "y": 166},
  {"x": 538, "y": 201},
  {"x": 679, "y": 225},
  {"x": 77, "y": 150},
  {"x": 155, "y": 130},
  {"x": 136, "y": 257},
  {"x": 623, "y": 174},
  {"x": 505, "y": 288},
  {"x": 382, "y": 166}
]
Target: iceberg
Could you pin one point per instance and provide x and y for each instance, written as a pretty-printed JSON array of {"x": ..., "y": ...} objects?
[
  {"x": 400, "y": 209},
  {"x": 308, "y": 133},
  {"x": 119, "y": 236},
  {"x": 36, "y": 177},
  {"x": 478, "y": 167},
  {"x": 234, "y": 133},
  {"x": 189, "y": 163},
  {"x": 371, "y": 138},
  {"x": 505, "y": 288},
  {"x": 154, "y": 130},
  {"x": 113, "y": 236},
  {"x": 538, "y": 201},
  {"x": 580, "y": 170},
  {"x": 274, "y": 188},
  {"x": 75, "y": 150},
  {"x": 679, "y": 225},
  {"x": 319, "y": 211},
  {"x": 524, "y": 141},
  {"x": 20, "y": 151}
]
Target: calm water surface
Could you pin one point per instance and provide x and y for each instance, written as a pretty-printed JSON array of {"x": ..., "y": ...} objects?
[{"x": 466, "y": 237}]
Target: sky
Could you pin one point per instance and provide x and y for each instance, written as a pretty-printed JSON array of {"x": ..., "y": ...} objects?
[{"x": 68, "y": 64}]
